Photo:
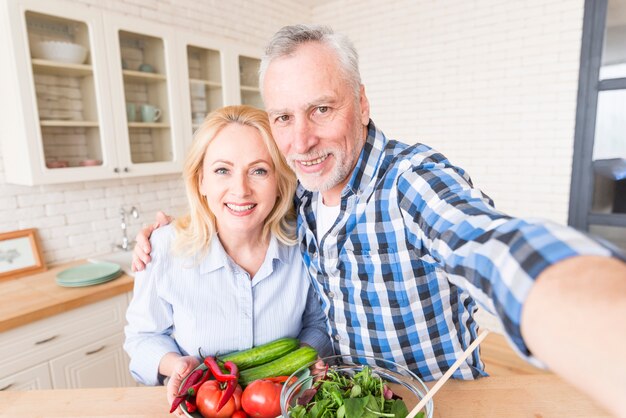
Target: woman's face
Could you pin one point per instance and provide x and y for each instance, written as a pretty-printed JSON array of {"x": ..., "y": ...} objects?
[{"x": 239, "y": 180}]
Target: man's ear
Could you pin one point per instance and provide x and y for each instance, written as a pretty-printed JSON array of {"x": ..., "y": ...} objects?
[{"x": 365, "y": 106}]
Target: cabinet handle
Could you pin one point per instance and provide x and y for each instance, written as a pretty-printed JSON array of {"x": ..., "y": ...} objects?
[
  {"x": 116, "y": 170},
  {"x": 97, "y": 350},
  {"x": 126, "y": 170},
  {"x": 46, "y": 340},
  {"x": 6, "y": 387}
]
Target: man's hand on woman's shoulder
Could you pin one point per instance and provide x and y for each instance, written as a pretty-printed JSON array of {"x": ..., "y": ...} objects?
[{"x": 141, "y": 252}]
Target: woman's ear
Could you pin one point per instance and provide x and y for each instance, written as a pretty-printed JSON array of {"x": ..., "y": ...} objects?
[{"x": 201, "y": 182}]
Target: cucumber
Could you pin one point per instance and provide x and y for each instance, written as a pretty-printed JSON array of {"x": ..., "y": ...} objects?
[
  {"x": 283, "y": 366},
  {"x": 261, "y": 354}
]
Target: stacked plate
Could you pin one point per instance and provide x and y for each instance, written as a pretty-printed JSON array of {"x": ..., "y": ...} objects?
[{"x": 88, "y": 274}]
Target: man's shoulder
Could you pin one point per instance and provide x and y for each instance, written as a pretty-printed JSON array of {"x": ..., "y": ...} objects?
[{"x": 400, "y": 154}]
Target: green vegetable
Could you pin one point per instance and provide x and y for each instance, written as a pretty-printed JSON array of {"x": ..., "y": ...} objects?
[
  {"x": 282, "y": 366},
  {"x": 359, "y": 396},
  {"x": 261, "y": 354}
]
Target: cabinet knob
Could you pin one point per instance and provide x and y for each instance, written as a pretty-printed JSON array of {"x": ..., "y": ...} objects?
[
  {"x": 126, "y": 170},
  {"x": 116, "y": 170}
]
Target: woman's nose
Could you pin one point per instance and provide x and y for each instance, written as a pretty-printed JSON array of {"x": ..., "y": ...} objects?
[{"x": 241, "y": 185}]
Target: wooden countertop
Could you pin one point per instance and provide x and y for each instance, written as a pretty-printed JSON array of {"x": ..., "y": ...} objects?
[
  {"x": 535, "y": 395},
  {"x": 30, "y": 298}
]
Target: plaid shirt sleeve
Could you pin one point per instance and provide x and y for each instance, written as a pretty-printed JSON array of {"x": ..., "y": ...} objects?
[{"x": 495, "y": 257}]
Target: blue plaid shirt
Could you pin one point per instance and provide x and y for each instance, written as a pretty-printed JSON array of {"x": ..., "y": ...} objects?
[{"x": 414, "y": 248}]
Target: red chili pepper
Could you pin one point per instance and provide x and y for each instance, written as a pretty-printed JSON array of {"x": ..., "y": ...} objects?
[
  {"x": 229, "y": 378},
  {"x": 193, "y": 378},
  {"x": 191, "y": 405},
  {"x": 191, "y": 386}
]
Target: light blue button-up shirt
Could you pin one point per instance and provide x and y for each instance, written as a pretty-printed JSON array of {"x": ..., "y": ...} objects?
[{"x": 212, "y": 306}]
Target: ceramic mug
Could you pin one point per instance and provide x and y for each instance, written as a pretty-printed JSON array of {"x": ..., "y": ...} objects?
[
  {"x": 131, "y": 112},
  {"x": 150, "y": 113},
  {"x": 146, "y": 68}
]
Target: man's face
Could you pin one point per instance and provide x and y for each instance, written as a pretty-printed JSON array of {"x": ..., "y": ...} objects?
[{"x": 317, "y": 122}]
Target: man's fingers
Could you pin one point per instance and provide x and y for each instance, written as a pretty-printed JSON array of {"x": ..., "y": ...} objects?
[{"x": 162, "y": 219}]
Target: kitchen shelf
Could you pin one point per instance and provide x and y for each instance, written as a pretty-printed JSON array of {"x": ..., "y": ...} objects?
[
  {"x": 69, "y": 123},
  {"x": 205, "y": 83},
  {"x": 41, "y": 66},
  {"x": 140, "y": 76},
  {"x": 139, "y": 125},
  {"x": 250, "y": 88}
]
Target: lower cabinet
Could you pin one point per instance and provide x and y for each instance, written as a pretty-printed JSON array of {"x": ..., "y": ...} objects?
[
  {"x": 81, "y": 348},
  {"x": 37, "y": 377}
]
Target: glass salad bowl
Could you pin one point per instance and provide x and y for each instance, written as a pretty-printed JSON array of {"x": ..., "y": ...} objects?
[{"x": 401, "y": 381}]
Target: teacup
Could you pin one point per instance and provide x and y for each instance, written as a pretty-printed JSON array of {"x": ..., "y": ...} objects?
[
  {"x": 131, "y": 112},
  {"x": 146, "y": 68},
  {"x": 150, "y": 113}
]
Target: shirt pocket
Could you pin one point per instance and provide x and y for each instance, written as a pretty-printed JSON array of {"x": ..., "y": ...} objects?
[{"x": 379, "y": 273}]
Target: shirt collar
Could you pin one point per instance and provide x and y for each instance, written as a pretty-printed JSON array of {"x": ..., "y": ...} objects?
[
  {"x": 217, "y": 258},
  {"x": 366, "y": 166}
]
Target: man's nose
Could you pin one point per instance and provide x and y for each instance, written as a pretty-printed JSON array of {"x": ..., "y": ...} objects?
[{"x": 304, "y": 136}]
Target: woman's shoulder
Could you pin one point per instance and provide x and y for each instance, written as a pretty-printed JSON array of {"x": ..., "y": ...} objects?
[{"x": 161, "y": 239}]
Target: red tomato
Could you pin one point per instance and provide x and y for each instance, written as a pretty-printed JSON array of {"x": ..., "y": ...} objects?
[
  {"x": 208, "y": 397},
  {"x": 261, "y": 399},
  {"x": 239, "y": 414}
]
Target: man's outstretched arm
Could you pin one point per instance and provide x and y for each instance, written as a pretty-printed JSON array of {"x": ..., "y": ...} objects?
[{"x": 574, "y": 320}]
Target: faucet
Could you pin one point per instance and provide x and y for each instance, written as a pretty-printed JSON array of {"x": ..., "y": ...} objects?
[{"x": 126, "y": 244}]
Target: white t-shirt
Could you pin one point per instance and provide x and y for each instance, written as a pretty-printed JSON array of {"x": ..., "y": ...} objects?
[{"x": 326, "y": 217}]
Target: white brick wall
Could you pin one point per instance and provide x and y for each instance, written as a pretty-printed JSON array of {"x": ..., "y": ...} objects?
[
  {"x": 490, "y": 83},
  {"x": 77, "y": 220}
]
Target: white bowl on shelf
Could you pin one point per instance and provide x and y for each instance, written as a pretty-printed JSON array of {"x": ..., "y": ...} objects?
[{"x": 60, "y": 51}]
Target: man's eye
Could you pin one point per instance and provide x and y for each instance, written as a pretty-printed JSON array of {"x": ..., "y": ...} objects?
[
  {"x": 282, "y": 118},
  {"x": 322, "y": 109}
]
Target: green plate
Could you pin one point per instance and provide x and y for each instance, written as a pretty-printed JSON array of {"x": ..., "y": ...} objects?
[{"x": 89, "y": 273}]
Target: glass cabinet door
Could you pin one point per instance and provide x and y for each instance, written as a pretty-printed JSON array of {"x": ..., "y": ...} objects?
[
  {"x": 61, "y": 59},
  {"x": 205, "y": 82},
  {"x": 249, "y": 81},
  {"x": 146, "y": 97}
]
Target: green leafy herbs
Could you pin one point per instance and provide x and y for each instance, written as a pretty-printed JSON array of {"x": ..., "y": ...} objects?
[{"x": 363, "y": 395}]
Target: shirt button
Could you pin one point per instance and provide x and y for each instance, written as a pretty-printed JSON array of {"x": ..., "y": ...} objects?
[
  {"x": 331, "y": 295},
  {"x": 315, "y": 254},
  {"x": 337, "y": 337}
]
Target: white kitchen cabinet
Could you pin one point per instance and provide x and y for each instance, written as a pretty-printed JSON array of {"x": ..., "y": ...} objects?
[
  {"x": 36, "y": 377},
  {"x": 249, "y": 81},
  {"x": 100, "y": 364},
  {"x": 64, "y": 122},
  {"x": 78, "y": 348}
]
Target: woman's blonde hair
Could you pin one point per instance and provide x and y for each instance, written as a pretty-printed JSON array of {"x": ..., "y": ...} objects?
[{"x": 195, "y": 230}]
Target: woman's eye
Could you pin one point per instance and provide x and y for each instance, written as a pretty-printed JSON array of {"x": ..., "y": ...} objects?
[
  {"x": 260, "y": 171},
  {"x": 221, "y": 171}
]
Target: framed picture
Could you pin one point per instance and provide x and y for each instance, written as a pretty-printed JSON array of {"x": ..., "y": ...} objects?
[{"x": 20, "y": 254}]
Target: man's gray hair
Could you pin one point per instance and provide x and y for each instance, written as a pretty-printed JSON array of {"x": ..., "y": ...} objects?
[{"x": 288, "y": 38}]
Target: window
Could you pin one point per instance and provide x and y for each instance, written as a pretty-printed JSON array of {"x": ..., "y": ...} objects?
[{"x": 598, "y": 190}]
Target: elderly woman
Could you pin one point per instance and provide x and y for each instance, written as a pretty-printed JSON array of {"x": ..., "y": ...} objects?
[{"x": 227, "y": 276}]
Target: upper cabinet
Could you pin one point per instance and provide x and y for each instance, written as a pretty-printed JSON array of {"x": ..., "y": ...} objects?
[
  {"x": 249, "y": 81},
  {"x": 95, "y": 95},
  {"x": 144, "y": 93}
]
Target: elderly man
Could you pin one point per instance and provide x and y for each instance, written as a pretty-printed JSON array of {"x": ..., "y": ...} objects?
[{"x": 402, "y": 246}]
